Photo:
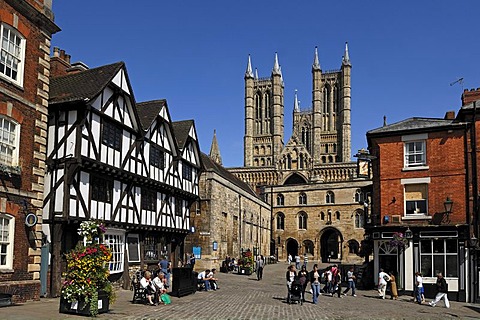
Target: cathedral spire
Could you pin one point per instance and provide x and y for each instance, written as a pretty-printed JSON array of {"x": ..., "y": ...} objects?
[
  {"x": 296, "y": 107},
  {"x": 248, "y": 72},
  {"x": 316, "y": 62},
  {"x": 256, "y": 74},
  {"x": 276, "y": 66},
  {"x": 346, "y": 57},
  {"x": 215, "y": 150}
]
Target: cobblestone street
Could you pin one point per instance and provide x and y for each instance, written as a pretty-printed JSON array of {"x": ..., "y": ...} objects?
[{"x": 242, "y": 297}]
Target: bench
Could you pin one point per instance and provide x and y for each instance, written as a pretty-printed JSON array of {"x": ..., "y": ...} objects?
[{"x": 139, "y": 293}]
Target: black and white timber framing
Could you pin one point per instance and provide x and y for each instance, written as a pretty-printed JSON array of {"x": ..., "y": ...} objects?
[{"x": 112, "y": 159}]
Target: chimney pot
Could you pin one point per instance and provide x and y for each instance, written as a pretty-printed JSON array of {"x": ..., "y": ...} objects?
[
  {"x": 67, "y": 58},
  {"x": 56, "y": 51}
]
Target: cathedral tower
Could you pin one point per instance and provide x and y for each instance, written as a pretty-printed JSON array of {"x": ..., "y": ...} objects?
[{"x": 264, "y": 125}]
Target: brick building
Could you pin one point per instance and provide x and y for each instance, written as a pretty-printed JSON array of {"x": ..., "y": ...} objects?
[
  {"x": 424, "y": 186},
  {"x": 26, "y": 28}
]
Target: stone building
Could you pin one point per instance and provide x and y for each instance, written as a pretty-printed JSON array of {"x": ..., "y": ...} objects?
[
  {"x": 27, "y": 28},
  {"x": 310, "y": 182},
  {"x": 229, "y": 218}
]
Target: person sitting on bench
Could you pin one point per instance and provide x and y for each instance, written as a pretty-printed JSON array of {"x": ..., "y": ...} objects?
[
  {"x": 148, "y": 285},
  {"x": 203, "y": 277}
]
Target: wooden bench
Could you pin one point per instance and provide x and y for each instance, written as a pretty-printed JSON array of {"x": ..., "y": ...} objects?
[{"x": 139, "y": 293}]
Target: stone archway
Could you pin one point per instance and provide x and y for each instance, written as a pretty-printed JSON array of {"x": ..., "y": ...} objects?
[
  {"x": 292, "y": 247},
  {"x": 331, "y": 245}
]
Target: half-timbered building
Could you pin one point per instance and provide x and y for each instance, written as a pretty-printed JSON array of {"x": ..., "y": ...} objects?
[{"x": 117, "y": 161}]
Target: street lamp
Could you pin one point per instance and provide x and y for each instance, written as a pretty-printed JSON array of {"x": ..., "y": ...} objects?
[
  {"x": 448, "y": 205},
  {"x": 473, "y": 242},
  {"x": 408, "y": 233}
]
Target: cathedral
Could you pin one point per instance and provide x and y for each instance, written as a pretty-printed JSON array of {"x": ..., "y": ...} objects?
[{"x": 310, "y": 182}]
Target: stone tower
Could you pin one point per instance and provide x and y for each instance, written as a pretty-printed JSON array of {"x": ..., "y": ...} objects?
[
  {"x": 323, "y": 129},
  {"x": 264, "y": 126}
]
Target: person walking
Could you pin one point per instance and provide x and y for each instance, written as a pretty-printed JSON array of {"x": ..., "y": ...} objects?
[
  {"x": 259, "y": 265},
  {"x": 289, "y": 259},
  {"x": 382, "y": 283},
  {"x": 351, "y": 282},
  {"x": 290, "y": 277},
  {"x": 315, "y": 282},
  {"x": 297, "y": 261},
  {"x": 393, "y": 287},
  {"x": 442, "y": 292},
  {"x": 303, "y": 277},
  {"x": 419, "y": 286},
  {"x": 305, "y": 260}
]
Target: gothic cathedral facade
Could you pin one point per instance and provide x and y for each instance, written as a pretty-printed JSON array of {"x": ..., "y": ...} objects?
[{"x": 310, "y": 182}]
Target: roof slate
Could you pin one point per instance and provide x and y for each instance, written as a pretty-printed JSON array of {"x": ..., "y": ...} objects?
[
  {"x": 411, "y": 124},
  {"x": 148, "y": 111},
  {"x": 209, "y": 164},
  {"x": 82, "y": 85},
  {"x": 181, "y": 130}
]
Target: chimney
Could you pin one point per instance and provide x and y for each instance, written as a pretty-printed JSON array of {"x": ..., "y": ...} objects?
[
  {"x": 470, "y": 96},
  {"x": 449, "y": 115},
  {"x": 59, "y": 63}
]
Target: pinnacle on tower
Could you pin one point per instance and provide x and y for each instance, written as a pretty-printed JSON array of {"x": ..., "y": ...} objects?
[
  {"x": 296, "y": 107},
  {"x": 346, "y": 57},
  {"x": 276, "y": 66},
  {"x": 248, "y": 72},
  {"x": 316, "y": 62},
  {"x": 256, "y": 73},
  {"x": 215, "y": 150}
]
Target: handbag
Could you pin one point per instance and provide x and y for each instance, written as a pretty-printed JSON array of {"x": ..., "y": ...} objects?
[{"x": 165, "y": 298}]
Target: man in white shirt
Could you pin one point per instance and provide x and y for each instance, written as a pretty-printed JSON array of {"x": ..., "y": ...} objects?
[
  {"x": 419, "y": 287},
  {"x": 383, "y": 277},
  {"x": 203, "y": 276}
]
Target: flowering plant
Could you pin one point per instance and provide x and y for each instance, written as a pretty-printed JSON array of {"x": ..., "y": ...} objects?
[
  {"x": 398, "y": 240},
  {"x": 86, "y": 271}
]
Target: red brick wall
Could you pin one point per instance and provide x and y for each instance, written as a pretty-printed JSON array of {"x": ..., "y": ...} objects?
[
  {"x": 470, "y": 96},
  {"x": 445, "y": 159}
]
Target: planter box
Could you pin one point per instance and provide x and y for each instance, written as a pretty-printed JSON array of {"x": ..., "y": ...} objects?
[
  {"x": 245, "y": 271},
  {"x": 5, "y": 299},
  {"x": 79, "y": 307}
]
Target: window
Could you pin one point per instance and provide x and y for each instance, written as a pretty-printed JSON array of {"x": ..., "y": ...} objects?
[
  {"x": 133, "y": 248},
  {"x": 415, "y": 153},
  {"x": 12, "y": 55},
  {"x": 353, "y": 246},
  {"x": 111, "y": 135},
  {"x": 416, "y": 199},
  {"x": 280, "y": 221},
  {"x": 187, "y": 171},
  {"x": 302, "y": 198},
  {"x": 102, "y": 188},
  {"x": 358, "y": 195},
  {"x": 302, "y": 221},
  {"x": 115, "y": 240},
  {"x": 359, "y": 219},
  {"x": 6, "y": 241},
  {"x": 330, "y": 197},
  {"x": 9, "y": 134},
  {"x": 322, "y": 215},
  {"x": 439, "y": 256},
  {"x": 178, "y": 207},
  {"x": 151, "y": 249},
  {"x": 149, "y": 199},
  {"x": 157, "y": 157},
  {"x": 280, "y": 200},
  {"x": 337, "y": 215}
]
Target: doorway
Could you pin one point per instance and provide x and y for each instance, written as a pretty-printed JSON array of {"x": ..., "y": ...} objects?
[
  {"x": 330, "y": 243},
  {"x": 292, "y": 247}
]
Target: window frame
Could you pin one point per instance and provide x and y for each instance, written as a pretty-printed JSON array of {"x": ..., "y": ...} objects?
[
  {"x": 14, "y": 146},
  {"x": 157, "y": 156},
  {"x": 20, "y": 57},
  {"x": 359, "y": 220},
  {"x": 178, "y": 207},
  {"x": 443, "y": 254},
  {"x": 302, "y": 198},
  {"x": 101, "y": 189},
  {"x": 302, "y": 220},
  {"x": 115, "y": 265},
  {"x": 280, "y": 199},
  {"x": 187, "y": 171},
  {"x": 280, "y": 221},
  {"x": 148, "y": 200},
  {"x": 137, "y": 237},
  {"x": 111, "y": 135},
  {"x": 330, "y": 197},
  {"x": 9, "y": 243},
  {"x": 416, "y": 202}
]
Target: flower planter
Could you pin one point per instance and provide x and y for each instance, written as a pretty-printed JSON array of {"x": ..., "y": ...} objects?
[
  {"x": 81, "y": 308},
  {"x": 245, "y": 271}
]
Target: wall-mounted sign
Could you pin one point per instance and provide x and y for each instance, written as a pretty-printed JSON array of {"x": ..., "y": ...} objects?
[{"x": 31, "y": 219}]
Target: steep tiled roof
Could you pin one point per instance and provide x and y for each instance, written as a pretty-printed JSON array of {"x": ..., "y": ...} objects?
[
  {"x": 411, "y": 124},
  {"x": 181, "y": 130},
  {"x": 209, "y": 164},
  {"x": 82, "y": 85},
  {"x": 148, "y": 110}
]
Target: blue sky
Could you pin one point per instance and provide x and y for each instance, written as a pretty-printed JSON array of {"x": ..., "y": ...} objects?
[{"x": 404, "y": 54}]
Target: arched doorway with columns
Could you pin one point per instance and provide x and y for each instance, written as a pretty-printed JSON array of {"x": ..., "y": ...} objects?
[
  {"x": 292, "y": 247},
  {"x": 331, "y": 240}
]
